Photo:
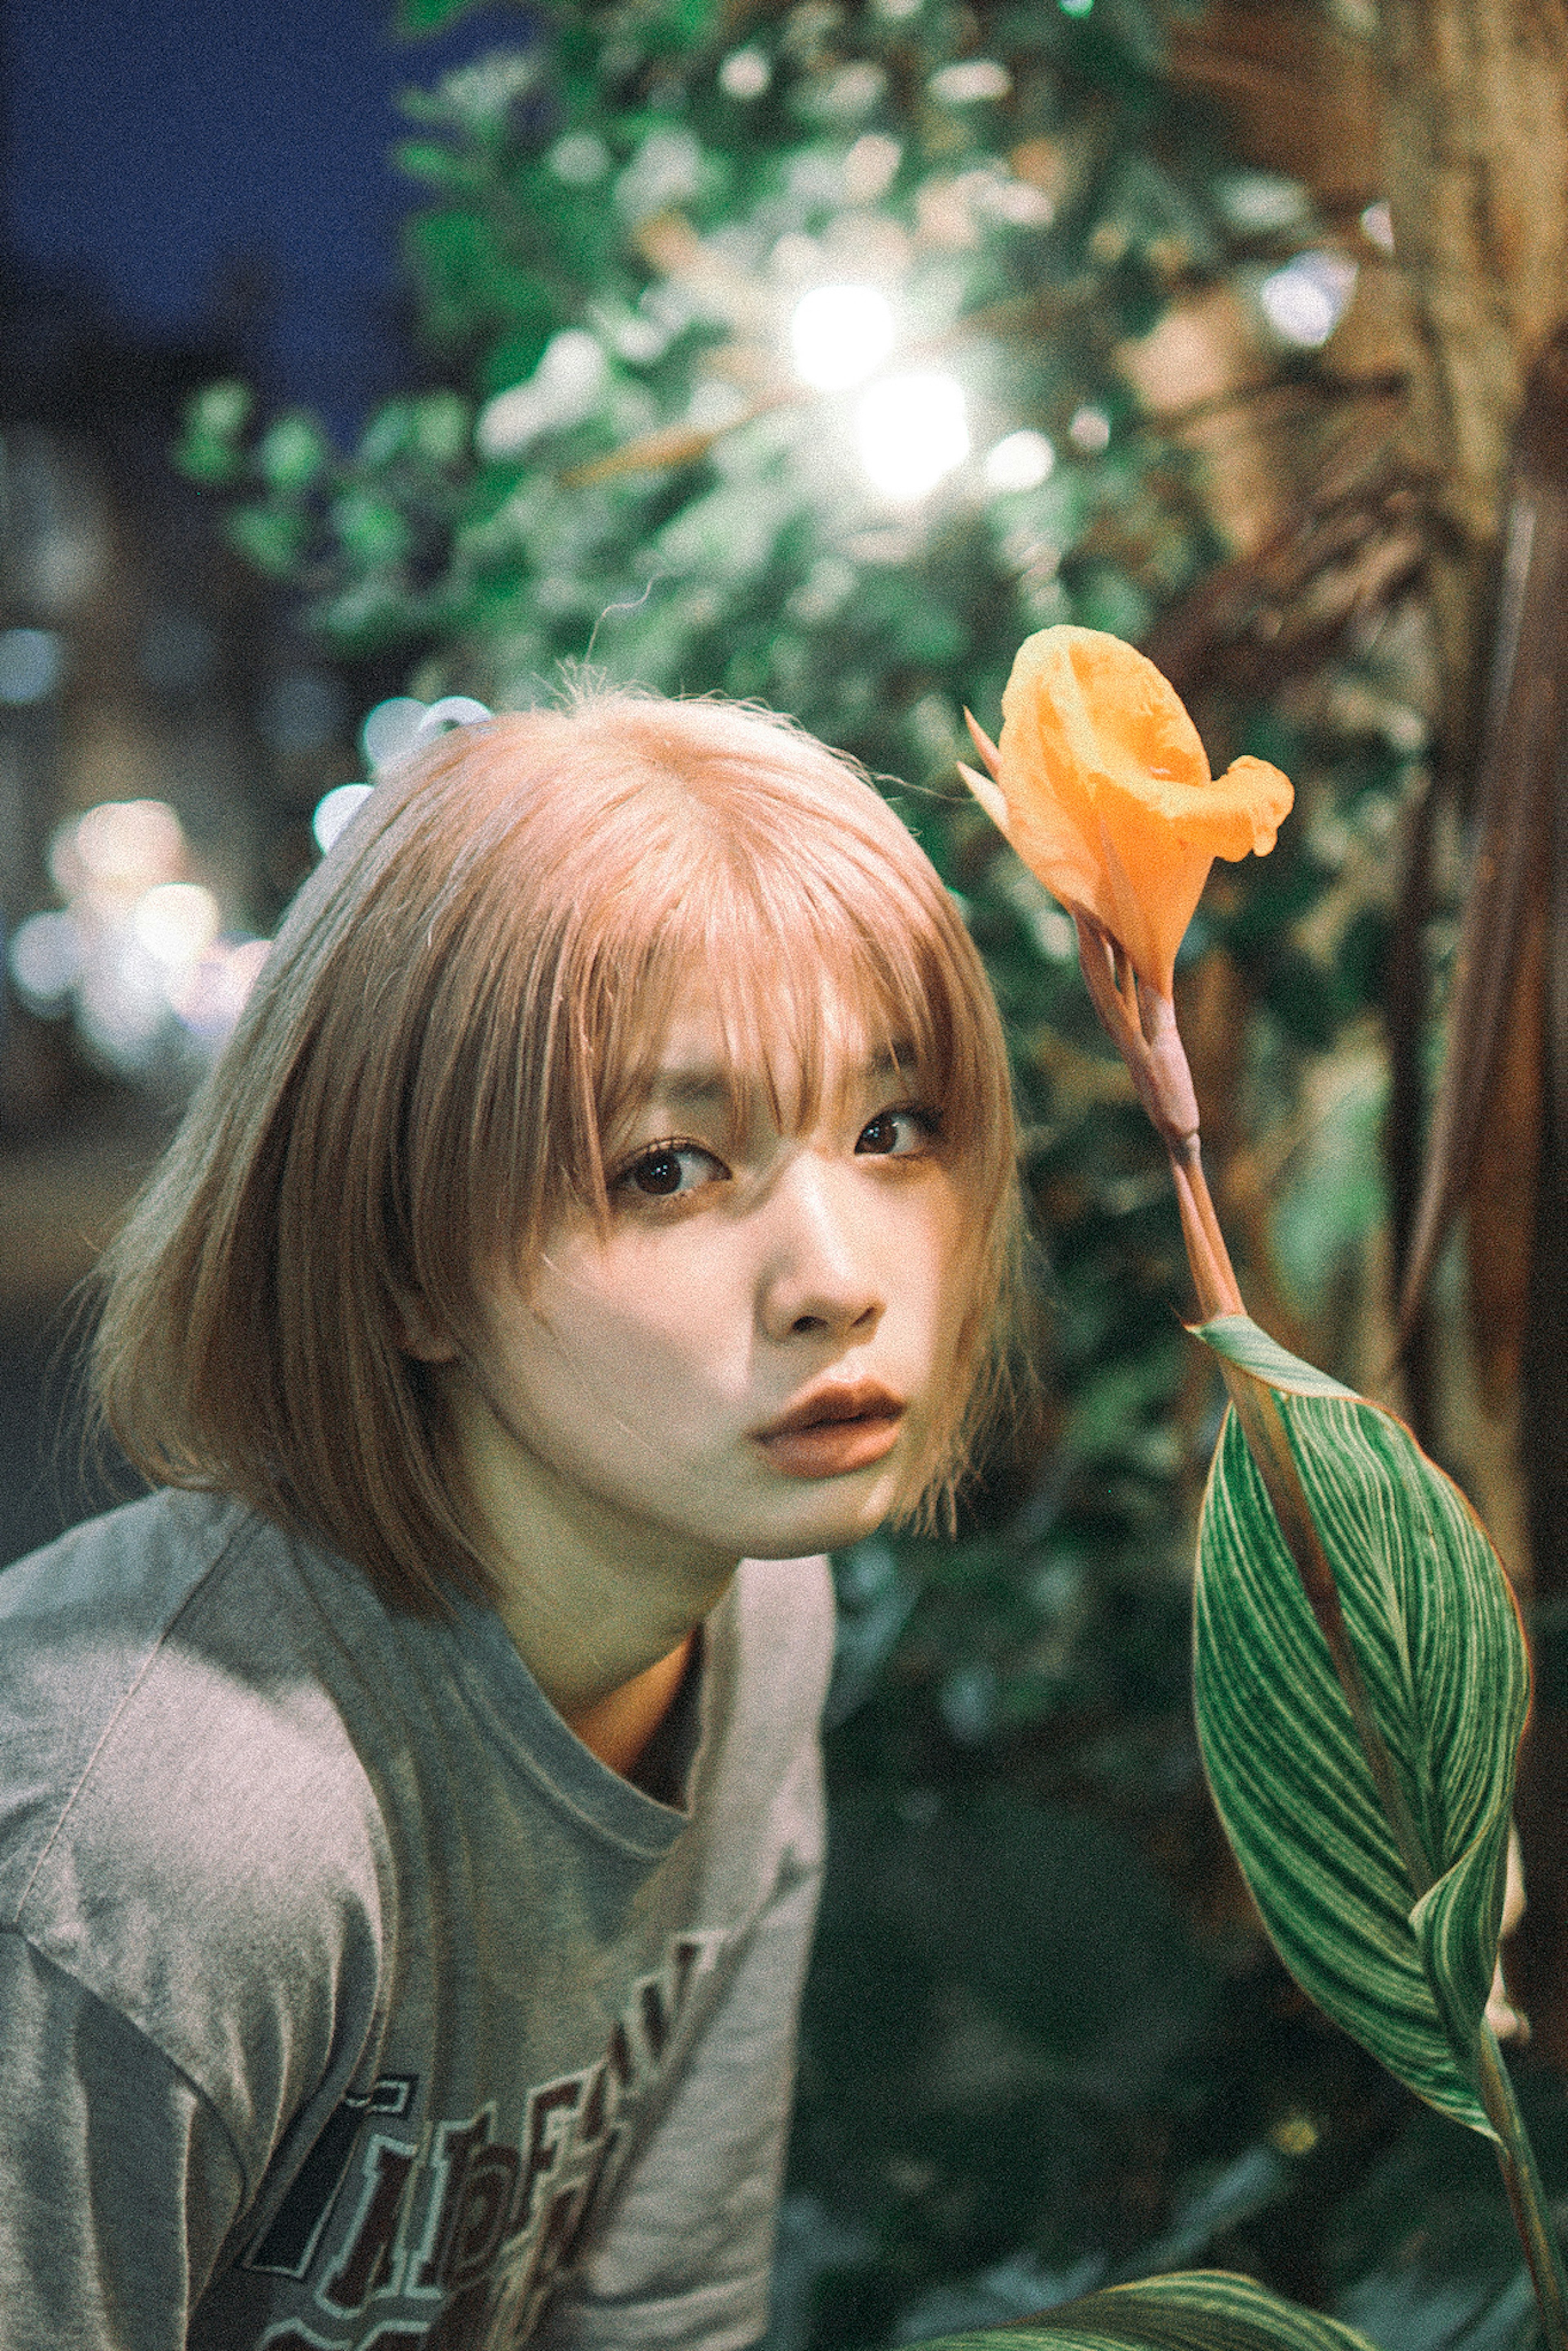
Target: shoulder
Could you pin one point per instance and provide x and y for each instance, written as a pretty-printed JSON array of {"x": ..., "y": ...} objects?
[
  {"x": 185, "y": 1826},
  {"x": 82, "y": 1624},
  {"x": 130, "y": 1568}
]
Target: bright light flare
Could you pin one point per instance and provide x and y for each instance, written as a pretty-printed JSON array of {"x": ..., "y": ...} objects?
[
  {"x": 1021, "y": 461},
  {"x": 209, "y": 997},
  {"x": 912, "y": 432},
  {"x": 387, "y": 735},
  {"x": 176, "y": 922},
  {"x": 403, "y": 724},
  {"x": 1089, "y": 431},
  {"x": 117, "y": 850},
  {"x": 745, "y": 73},
  {"x": 31, "y": 662},
  {"x": 1378, "y": 223},
  {"x": 333, "y": 811},
  {"x": 45, "y": 959},
  {"x": 1305, "y": 300},
  {"x": 840, "y": 335},
  {"x": 562, "y": 390}
]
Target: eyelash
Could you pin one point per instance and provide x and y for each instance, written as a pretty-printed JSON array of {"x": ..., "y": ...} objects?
[
  {"x": 928, "y": 1121},
  {"x": 675, "y": 1146}
]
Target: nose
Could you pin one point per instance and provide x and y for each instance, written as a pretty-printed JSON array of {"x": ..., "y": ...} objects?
[{"x": 817, "y": 1276}]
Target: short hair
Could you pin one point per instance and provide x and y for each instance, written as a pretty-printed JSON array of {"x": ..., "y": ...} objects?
[{"x": 460, "y": 1000}]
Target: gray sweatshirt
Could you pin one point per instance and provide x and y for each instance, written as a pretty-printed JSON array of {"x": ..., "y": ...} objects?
[{"x": 345, "y": 1997}]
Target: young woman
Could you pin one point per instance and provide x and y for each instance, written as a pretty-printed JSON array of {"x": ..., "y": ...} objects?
[{"x": 410, "y": 1813}]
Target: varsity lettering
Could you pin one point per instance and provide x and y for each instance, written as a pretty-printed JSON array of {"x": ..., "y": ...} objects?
[{"x": 452, "y": 2237}]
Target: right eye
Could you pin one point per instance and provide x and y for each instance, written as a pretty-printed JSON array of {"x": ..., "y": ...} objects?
[{"x": 667, "y": 1170}]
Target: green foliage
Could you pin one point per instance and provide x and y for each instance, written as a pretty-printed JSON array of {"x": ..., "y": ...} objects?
[
  {"x": 1200, "y": 2310},
  {"x": 669, "y": 194},
  {"x": 210, "y": 451},
  {"x": 415, "y": 16},
  {"x": 992, "y": 1964},
  {"x": 270, "y": 538},
  {"x": 291, "y": 453},
  {"x": 1406, "y": 1968}
]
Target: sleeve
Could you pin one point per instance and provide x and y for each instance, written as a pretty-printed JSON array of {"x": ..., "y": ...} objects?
[
  {"x": 117, "y": 2182},
  {"x": 686, "y": 2258}
]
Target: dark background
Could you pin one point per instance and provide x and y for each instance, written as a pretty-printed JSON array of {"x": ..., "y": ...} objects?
[{"x": 191, "y": 159}]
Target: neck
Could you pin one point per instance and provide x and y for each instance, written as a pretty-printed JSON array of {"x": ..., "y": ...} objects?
[
  {"x": 602, "y": 1611},
  {"x": 618, "y": 1730}
]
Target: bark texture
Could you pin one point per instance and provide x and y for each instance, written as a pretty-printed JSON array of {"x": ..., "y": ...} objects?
[{"x": 1475, "y": 155}]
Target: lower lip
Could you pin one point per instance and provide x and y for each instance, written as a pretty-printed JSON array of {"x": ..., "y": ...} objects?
[{"x": 831, "y": 1448}]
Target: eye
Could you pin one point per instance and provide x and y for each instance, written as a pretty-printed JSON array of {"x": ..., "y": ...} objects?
[
  {"x": 667, "y": 1170},
  {"x": 901, "y": 1134}
]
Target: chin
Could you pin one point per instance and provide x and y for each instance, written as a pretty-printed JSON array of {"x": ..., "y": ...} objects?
[{"x": 833, "y": 1525}]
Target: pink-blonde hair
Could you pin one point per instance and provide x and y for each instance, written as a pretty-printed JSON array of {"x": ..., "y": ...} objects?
[{"x": 461, "y": 1002}]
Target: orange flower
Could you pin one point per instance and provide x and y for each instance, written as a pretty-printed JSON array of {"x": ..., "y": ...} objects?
[{"x": 1104, "y": 790}]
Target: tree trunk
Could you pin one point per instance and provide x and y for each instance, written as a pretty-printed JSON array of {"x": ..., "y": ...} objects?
[{"x": 1475, "y": 151}]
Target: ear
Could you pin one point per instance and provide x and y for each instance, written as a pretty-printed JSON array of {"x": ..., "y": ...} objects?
[{"x": 416, "y": 1332}]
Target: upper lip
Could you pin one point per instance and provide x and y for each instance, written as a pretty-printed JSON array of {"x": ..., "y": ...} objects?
[{"x": 836, "y": 1400}]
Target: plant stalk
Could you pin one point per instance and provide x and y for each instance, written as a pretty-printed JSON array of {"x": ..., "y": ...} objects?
[
  {"x": 1526, "y": 2196},
  {"x": 1214, "y": 1277}
]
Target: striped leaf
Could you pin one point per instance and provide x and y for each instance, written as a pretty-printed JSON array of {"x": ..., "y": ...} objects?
[
  {"x": 1197, "y": 2310},
  {"x": 1391, "y": 1928}
]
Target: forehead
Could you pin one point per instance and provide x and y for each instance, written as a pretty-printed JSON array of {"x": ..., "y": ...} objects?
[{"x": 700, "y": 1059}]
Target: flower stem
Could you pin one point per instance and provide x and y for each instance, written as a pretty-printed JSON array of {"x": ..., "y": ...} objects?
[{"x": 1212, "y": 1271}]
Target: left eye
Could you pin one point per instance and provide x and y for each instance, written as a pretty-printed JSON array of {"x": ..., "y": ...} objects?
[
  {"x": 900, "y": 1133},
  {"x": 670, "y": 1169}
]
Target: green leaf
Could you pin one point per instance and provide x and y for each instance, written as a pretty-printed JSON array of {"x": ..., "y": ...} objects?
[
  {"x": 442, "y": 422},
  {"x": 292, "y": 453},
  {"x": 220, "y": 412},
  {"x": 1239, "y": 1340},
  {"x": 209, "y": 451},
  {"x": 439, "y": 166},
  {"x": 1194, "y": 2310},
  {"x": 416, "y": 17},
  {"x": 387, "y": 433},
  {"x": 373, "y": 531},
  {"x": 1403, "y": 1966},
  {"x": 269, "y": 537}
]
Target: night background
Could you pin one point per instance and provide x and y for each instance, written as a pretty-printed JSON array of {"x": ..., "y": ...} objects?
[
  {"x": 1209, "y": 326},
  {"x": 175, "y": 160}
]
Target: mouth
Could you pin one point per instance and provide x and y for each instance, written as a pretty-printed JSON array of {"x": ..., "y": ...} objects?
[{"x": 839, "y": 1427}]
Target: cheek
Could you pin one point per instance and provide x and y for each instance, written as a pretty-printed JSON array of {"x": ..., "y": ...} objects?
[
  {"x": 946, "y": 1289},
  {"x": 644, "y": 1332},
  {"x": 938, "y": 1256}
]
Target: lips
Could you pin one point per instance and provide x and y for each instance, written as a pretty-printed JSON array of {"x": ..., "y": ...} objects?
[{"x": 841, "y": 1425}]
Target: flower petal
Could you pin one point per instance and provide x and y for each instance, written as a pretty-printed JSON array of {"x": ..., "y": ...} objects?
[
  {"x": 1108, "y": 792},
  {"x": 1103, "y": 706},
  {"x": 1156, "y": 878},
  {"x": 1245, "y": 808}
]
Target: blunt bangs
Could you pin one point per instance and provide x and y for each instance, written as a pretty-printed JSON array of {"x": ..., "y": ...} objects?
[{"x": 464, "y": 1002}]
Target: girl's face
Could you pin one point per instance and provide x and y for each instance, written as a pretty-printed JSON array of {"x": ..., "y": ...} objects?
[{"x": 753, "y": 1362}]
